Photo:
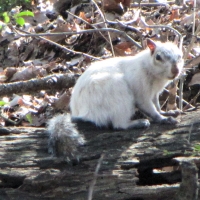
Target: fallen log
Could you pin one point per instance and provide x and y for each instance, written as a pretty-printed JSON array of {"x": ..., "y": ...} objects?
[
  {"x": 51, "y": 82},
  {"x": 138, "y": 164}
]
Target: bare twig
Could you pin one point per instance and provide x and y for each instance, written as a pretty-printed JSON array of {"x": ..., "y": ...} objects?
[
  {"x": 178, "y": 98},
  {"x": 194, "y": 34},
  {"x": 135, "y": 5},
  {"x": 190, "y": 132},
  {"x": 58, "y": 45},
  {"x": 182, "y": 79},
  {"x": 193, "y": 101},
  {"x": 104, "y": 19},
  {"x": 91, "y": 188},
  {"x": 81, "y": 32},
  {"x": 80, "y": 18},
  {"x": 92, "y": 25},
  {"x": 192, "y": 42},
  {"x": 127, "y": 26},
  {"x": 162, "y": 27},
  {"x": 194, "y": 16}
]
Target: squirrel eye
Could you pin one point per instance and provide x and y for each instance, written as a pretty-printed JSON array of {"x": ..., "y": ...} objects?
[
  {"x": 179, "y": 57},
  {"x": 158, "y": 57}
]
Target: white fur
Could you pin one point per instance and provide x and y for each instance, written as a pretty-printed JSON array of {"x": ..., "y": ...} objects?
[{"x": 110, "y": 90}]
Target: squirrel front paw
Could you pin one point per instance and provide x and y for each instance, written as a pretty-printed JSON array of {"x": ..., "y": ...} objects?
[
  {"x": 139, "y": 123},
  {"x": 168, "y": 120},
  {"x": 173, "y": 113}
]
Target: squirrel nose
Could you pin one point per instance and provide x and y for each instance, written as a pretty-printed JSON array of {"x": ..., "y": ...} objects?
[{"x": 175, "y": 70}]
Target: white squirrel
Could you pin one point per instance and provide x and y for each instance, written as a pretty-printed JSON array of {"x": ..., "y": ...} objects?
[{"x": 109, "y": 92}]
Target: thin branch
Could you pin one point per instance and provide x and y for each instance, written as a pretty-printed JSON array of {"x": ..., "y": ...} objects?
[
  {"x": 124, "y": 24},
  {"x": 104, "y": 19},
  {"x": 80, "y": 18},
  {"x": 194, "y": 16},
  {"x": 81, "y": 32},
  {"x": 162, "y": 27},
  {"x": 135, "y": 5},
  {"x": 182, "y": 79},
  {"x": 192, "y": 42},
  {"x": 92, "y": 25},
  {"x": 178, "y": 98},
  {"x": 58, "y": 45},
  {"x": 91, "y": 188},
  {"x": 193, "y": 101}
]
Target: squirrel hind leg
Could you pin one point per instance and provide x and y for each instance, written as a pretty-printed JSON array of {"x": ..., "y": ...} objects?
[
  {"x": 123, "y": 120},
  {"x": 139, "y": 123},
  {"x": 82, "y": 124},
  {"x": 64, "y": 138}
]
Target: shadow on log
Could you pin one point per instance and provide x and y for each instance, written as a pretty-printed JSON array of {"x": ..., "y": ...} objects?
[{"x": 137, "y": 164}]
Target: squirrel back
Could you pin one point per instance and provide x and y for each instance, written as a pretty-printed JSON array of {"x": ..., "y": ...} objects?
[{"x": 109, "y": 92}]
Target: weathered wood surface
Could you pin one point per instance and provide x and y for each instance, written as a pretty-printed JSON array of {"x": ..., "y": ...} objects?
[{"x": 132, "y": 167}]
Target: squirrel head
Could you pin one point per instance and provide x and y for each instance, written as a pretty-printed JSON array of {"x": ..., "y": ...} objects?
[{"x": 167, "y": 61}]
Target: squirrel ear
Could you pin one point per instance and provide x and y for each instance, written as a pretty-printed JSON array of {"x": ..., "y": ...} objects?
[{"x": 151, "y": 44}]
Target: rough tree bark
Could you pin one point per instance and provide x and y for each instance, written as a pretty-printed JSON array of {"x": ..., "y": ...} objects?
[
  {"x": 138, "y": 164},
  {"x": 52, "y": 82}
]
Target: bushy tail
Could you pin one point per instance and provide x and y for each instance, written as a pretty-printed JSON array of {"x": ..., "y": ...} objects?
[{"x": 64, "y": 138}]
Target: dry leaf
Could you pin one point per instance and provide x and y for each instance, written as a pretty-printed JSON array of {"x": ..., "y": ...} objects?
[
  {"x": 28, "y": 52},
  {"x": 174, "y": 15},
  {"x": 40, "y": 17},
  {"x": 123, "y": 48},
  {"x": 10, "y": 71},
  {"x": 23, "y": 102},
  {"x": 112, "y": 6},
  {"x": 82, "y": 15},
  {"x": 28, "y": 73},
  {"x": 188, "y": 19},
  {"x": 15, "y": 100},
  {"x": 62, "y": 26},
  {"x": 63, "y": 101}
]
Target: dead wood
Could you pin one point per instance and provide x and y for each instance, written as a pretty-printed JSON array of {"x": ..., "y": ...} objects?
[
  {"x": 189, "y": 186},
  {"x": 137, "y": 164},
  {"x": 52, "y": 82}
]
